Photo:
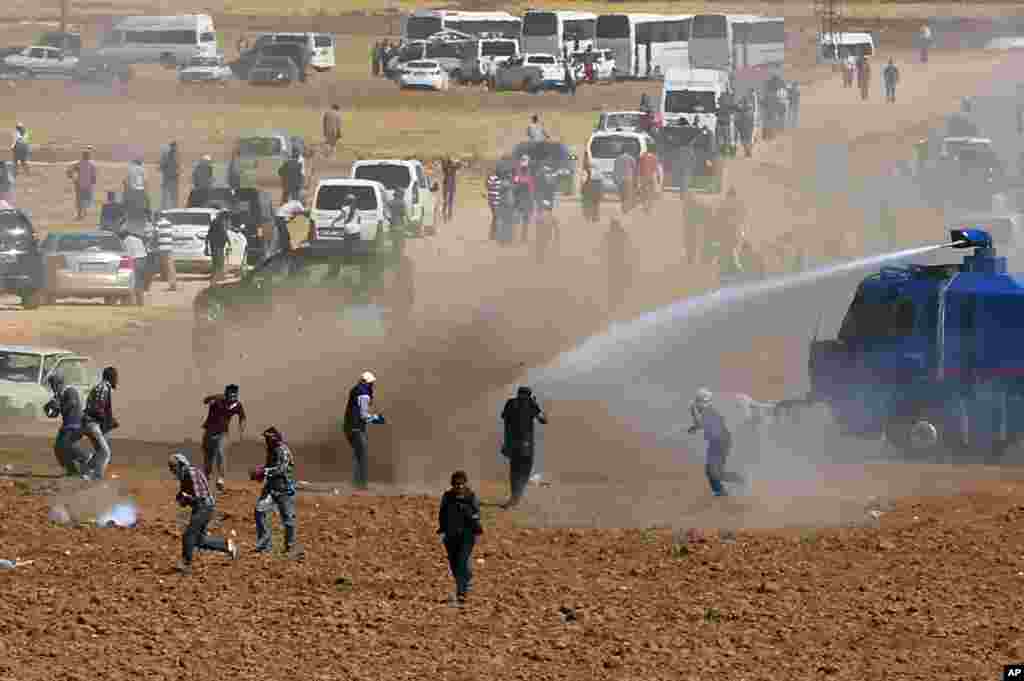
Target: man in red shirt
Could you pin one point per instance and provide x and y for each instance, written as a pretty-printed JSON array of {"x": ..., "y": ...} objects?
[{"x": 216, "y": 427}]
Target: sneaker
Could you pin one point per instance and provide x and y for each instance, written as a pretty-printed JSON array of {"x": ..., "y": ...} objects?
[
  {"x": 220, "y": 484},
  {"x": 295, "y": 553},
  {"x": 233, "y": 549},
  {"x": 183, "y": 568}
]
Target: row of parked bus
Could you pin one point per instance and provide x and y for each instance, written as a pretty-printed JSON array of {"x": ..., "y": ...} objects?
[{"x": 643, "y": 45}]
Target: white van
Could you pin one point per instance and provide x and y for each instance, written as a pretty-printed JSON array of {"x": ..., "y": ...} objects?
[
  {"x": 406, "y": 181},
  {"x": 604, "y": 147},
  {"x": 484, "y": 56},
  {"x": 160, "y": 40},
  {"x": 323, "y": 55},
  {"x": 371, "y": 222},
  {"x": 836, "y": 47}
]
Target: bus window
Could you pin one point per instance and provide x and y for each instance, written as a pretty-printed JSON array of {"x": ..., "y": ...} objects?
[{"x": 708, "y": 26}]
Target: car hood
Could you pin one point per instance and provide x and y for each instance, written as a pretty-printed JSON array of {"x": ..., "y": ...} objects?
[{"x": 22, "y": 393}]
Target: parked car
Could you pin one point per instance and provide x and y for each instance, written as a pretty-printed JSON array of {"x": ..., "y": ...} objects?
[
  {"x": 515, "y": 74},
  {"x": 71, "y": 43},
  {"x": 21, "y": 271},
  {"x": 205, "y": 70},
  {"x": 40, "y": 61},
  {"x": 190, "y": 228},
  {"x": 371, "y": 228},
  {"x": 323, "y": 55},
  {"x": 252, "y": 212},
  {"x": 273, "y": 71},
  {"x": 559, "y": 157},
  {"x": 88, "y": 265},
  {"x": 23, "y": 373},
  {"x": 423, "y": 75},
  {"x": 409, "y": 189},
  {"x": 552, "y": 69},
  {"x": 604, "y": 147}
]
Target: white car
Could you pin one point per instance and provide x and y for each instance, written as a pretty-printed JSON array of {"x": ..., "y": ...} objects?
[
  {"x": 604, "y": 147},
  {"x": 323, "y": 55},
  {"x": 23, "y": 373},
  {"x": 368, "y": 227},
  {"x": 42, "y": 61},
  {"x": 406, "y": 181},
  {"x": 205, "y": 70},
  {"x": 424, "y": 75},
  {"x": 190, "y": 228},
  {"x": 552, "y": 69}
]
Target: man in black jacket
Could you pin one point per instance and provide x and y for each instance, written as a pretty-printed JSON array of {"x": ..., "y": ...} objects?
[
  {"x": 519, "y": 414},
  {"x": 67, "y": 404},
  {"x": 357, "y": 417},
  {"x": 216, "y": 244},
  {"x": 459, "y": 525}
]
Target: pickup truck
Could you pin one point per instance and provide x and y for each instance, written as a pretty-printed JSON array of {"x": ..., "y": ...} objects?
[{"x": 38, "y": 61}]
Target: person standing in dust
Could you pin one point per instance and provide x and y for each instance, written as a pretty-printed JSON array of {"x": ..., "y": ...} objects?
[
  {"x": 357, "y": 418},
  {"x": 519, "y": 415},
  {"x": 891, "y": 76},
  {"x": 620, "y": 273},
  {"x": 719, "y": 441}
]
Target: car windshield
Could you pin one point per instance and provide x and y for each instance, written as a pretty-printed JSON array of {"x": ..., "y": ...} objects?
[
  {"x": 323, "y": 41},
  {"x": 331, "y": 197},
  {"x": 20, "y": 367},
  {"x": 197, "y": 219},
  {"x": 75, "y": 243},
  {"x": 540, "y": 59},
  {"x": 204, "y": 61},
  {"x": 14, "y": 233},
  {"x": 300, "y": 39},
  {"x": 613, "y": 146},
  {"x": 422, "y": 65},
  {"x": 543, "y": 151},
  {"x": 260, "y": 146},
  {"x": 690, "y": 101},
  {"x": 390, "y": 175},
  {"x": 279, "y": 50}
]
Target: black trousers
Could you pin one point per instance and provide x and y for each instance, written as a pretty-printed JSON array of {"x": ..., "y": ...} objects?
[
  {"x": 520, "y": 460},
  {"x": 195, "y": 536},
  {"x": 460, "y": 550}
]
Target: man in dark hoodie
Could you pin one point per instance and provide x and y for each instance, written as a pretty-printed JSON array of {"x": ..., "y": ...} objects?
[
  {"x": 99, "y": 420},
  {"x": 459, "y": 526},
  {"x": 519, "y": 414},
  {"x": 194, "y": 491},
  {"x": 67, "y": 404},
  {"x": 278, "y": 477}
]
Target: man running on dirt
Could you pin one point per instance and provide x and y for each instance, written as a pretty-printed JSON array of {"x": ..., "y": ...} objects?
[
  {"x": 194, "y": 491},
  {"x": 216, "y": 429},
  {"x": 647, "y": 172}
]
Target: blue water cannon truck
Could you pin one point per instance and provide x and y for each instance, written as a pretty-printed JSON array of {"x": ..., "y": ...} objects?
[{"x": 930, "y": 358}]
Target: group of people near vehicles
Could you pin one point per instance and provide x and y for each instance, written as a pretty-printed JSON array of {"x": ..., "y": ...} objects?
[{"x": 519, "y": 196}]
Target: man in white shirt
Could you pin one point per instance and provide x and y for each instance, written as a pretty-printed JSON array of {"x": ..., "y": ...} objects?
[{"x": 136, "y": 249}]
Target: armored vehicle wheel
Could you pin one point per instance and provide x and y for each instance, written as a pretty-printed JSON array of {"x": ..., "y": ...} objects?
[{"x": 918, "y": 432}]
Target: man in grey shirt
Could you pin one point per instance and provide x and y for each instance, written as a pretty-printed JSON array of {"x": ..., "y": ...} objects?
[{"x": 535, "y": 132}]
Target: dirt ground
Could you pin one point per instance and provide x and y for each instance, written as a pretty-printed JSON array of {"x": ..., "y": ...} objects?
[{"x": 590, "y": 579}]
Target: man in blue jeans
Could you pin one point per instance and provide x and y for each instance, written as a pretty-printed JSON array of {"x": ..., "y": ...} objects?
[
  {"x": 216, "y": 427},
  {"x": 357, "y": 417},
  {"x": 719, "y": 441}
]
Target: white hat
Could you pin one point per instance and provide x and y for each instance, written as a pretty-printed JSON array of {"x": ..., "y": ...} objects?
[
  {"x": 704, "y": 396},
  {"x": 207, "y": 157},
  {"x": 368, "y": 377}
]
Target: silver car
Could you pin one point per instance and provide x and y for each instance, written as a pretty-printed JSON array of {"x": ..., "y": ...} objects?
[{"x": 88, "y": 265}]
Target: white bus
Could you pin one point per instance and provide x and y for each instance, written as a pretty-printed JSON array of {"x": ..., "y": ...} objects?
[
  {"x": 645, "y": 44},
  {"x": 424, "y": 23},
  {"x": 736, "y": 41},
  {"x": 166, "y": 40},
  {"x": 557, "y": 33}
]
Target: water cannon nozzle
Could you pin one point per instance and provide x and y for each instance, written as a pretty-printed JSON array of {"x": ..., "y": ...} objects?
[{"x": 970, "y": 238}]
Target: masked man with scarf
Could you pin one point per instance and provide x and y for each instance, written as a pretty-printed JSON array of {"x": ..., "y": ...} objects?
[
  {"x": 67, "y": 404},
  {"x": 278, "y": 479}
]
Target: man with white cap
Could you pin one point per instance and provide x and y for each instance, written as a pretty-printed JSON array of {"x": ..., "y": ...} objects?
[
  {"x": 719, "y": 441},
  {"x": 281, "y": 240},
  {"x": 357, "y": 417}
]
